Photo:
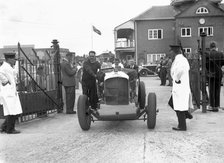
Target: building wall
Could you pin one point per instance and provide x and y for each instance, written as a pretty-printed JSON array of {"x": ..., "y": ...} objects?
[
  {"x": 41, "y": 52},
  {"x": 214, "y": 18},
  {"x": 191, "y": 42},
  {"x": 146, "y": 46},
  {"x": 172, "y": 31}
]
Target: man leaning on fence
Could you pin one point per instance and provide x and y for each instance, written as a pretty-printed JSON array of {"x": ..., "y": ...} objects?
[
  {"x": 68, "y": 81},
  {"x": 214, "y": 63},
  {"x": 9, "y": 97}
]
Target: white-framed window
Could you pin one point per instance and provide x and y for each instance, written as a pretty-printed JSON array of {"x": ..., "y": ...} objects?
[
  {"x": 202, "y": 10},
  {"x": 186, "y": 32},
  {"x": 187, "y": 50},
  {"x": 154, "y": 58},
  {"x": 155, "y": 34},
  {"x": 207, "y": 30}
]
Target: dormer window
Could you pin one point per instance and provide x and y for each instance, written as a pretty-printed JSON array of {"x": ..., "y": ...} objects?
[{"x": 202, "y": 10}]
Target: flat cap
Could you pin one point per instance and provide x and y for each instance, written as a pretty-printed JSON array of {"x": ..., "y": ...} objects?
[{"x": 10, "y": 55}]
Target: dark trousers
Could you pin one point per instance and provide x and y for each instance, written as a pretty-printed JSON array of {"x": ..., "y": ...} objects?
[
  {"x": 90, "y": 90},
  {"x": 181, "y": 116},
  {"x": 169, "y": 77},
  {"x": 214, "y": 91},
  {"x": 9, "y": 123},
  {"x": 70, "y": 98},
  {"x": 163, "y": 75}
]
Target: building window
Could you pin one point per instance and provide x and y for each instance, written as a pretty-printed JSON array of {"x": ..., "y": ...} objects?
[
  {"x": 202, "y": 10},
  {"x": 154, "y": 58},
  {"x": 187, "y": 50},
  {"x": 208, "y": 31},
  {"x": 154, "y": 34},
  {"x": 185, "y": 32}
]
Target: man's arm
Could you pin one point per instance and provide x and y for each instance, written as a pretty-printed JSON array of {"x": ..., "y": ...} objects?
[
  {"x": 69, "y": 70},
  {"x": 3, "y": 79},
  {"x": 88, "y": 68}
]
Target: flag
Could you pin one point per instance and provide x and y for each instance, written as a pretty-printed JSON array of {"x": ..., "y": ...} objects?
[{"x": 96, "y": 30}]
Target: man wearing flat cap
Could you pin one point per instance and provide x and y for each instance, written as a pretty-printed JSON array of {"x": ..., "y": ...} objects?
[
  {"x": 68, "y": 81},
  {"x": 9, "y": 97},
  {"x": 181, "y": 86}
]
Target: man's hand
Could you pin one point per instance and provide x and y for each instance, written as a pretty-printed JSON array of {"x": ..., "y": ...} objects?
[
  {"x": 101, "y": 84},
  {"x": 178, "y": 82}
]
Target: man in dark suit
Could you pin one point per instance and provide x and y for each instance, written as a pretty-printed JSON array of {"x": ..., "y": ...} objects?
[
  {"x": 132, "y": 76},
  {"x": 68, "y": 81},
  {"x": 132, "y": 65},
  {"x": 214, "y": 62},
  {"x": 163, "y": 71},
  {"x": 89, "y": 76}
]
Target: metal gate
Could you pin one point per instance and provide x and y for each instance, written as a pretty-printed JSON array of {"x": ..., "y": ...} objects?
[
  {"x": 204, "y": 66},
  {"x": 39, "y": 84}
]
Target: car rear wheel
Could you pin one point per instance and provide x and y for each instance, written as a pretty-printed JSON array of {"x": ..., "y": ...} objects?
[
  {"x": 141, "y": 95},
  {"x": 151, "y": 111},
  {"x": 143, "y": 72},
  {"x": 84, "y": 115}
]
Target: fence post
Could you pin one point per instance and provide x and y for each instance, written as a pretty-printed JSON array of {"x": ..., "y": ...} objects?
[
  {"x": 57, "y": 72},
  {"x": 19, "y": 67},
  {"x": 203, "y": 84}
]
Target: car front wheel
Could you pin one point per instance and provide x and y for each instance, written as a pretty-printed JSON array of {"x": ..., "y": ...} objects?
[
  {"x": 84, "y": 115},
  {"x": 151, "y": 111}
]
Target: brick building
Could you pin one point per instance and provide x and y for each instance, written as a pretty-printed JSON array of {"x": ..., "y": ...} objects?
[
  {"x": 32, "y": 52},
  {"x": 147, "y": 37}
]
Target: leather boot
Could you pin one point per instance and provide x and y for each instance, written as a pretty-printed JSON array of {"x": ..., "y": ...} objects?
[{"x": 181, "y": 121}]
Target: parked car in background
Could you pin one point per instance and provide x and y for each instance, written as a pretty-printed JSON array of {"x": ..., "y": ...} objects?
[{"x": 150, "y": 69}]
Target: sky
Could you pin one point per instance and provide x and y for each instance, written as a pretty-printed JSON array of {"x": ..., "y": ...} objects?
[{"x": 38, "y": 22}]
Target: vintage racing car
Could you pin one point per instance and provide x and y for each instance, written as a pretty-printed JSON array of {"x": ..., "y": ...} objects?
[{"x": 123, "y": 98}]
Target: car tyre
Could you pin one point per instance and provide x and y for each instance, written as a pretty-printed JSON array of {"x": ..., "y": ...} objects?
[
  {"x": 83, "y": 113},
  {"x": 151, "y": 111},
  {"x": 141, "y": 95},
  {"x": 143, "y": 73}
]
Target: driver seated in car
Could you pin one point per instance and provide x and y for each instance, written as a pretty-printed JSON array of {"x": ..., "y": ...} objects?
[
  {"x": 117, "y": 65},
  {"x": 130, "y": 71}
]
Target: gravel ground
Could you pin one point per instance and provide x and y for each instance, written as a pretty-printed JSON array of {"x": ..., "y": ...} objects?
[{"x": 58, "y": 138}]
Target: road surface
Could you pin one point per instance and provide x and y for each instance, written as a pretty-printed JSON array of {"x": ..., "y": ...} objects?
[{"x": 58, "y": 138}]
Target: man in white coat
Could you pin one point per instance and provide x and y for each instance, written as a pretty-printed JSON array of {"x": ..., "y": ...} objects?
[
  {"x": 181, "y": 87},
  {"x": 9, "y": 97}
]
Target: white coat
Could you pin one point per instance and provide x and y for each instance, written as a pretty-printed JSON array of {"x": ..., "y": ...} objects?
[
  {"x": 9, "y": 97},
  {"x": 180, "y": 92}
]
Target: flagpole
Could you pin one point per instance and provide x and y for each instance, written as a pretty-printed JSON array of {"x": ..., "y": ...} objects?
[{"x": 92, "y": 37}]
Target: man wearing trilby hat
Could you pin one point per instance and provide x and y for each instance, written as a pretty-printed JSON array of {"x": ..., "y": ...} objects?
[{"x": 9, "y": 97}]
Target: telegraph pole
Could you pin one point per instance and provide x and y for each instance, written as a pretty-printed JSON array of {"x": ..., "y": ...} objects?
[{"x": 57, "y": 72}]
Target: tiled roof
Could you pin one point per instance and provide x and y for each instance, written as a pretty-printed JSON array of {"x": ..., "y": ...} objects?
[
  {"x": 222, "y": 5},
  {"x": 179, "y": 2},
  {"x": 157, "y": 12}
]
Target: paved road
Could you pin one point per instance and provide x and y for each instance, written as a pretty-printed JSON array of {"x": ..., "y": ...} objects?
[{"x": 58, "y": 138}]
